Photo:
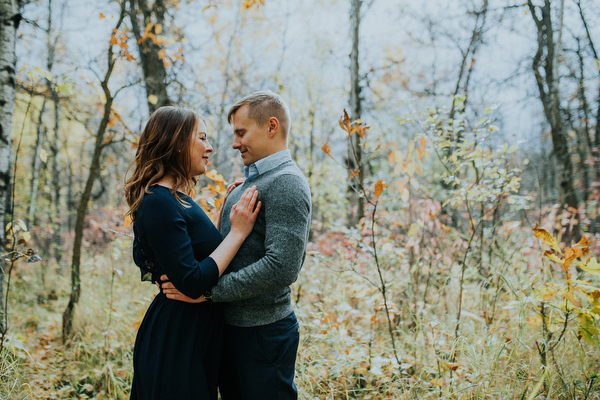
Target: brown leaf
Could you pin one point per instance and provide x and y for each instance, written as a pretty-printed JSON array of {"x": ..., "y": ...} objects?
[
  {"x": 345, "y": 123},
  {"x": 548, "y": 239}
]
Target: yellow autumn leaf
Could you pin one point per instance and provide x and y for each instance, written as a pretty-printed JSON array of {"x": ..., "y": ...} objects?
[
  {"x": 590, "y": 266},
  {"x": 548, "y": 239},
  {"x": 127, "y": 221},
  {"x": 379, "y": 188},
  {"x": 102, "y": 16},
  {"x": 251, "y": 3},
  {"x": 553, "y": 257},
  {"x": 153, "y": 99},
  {"x": 214, "y": 176},
  {"x": 570, "y": 296},
  {"x": 413, "y": 230},
  {"x": 587, "y": 328},
  {"x": 405, "y": 195}
]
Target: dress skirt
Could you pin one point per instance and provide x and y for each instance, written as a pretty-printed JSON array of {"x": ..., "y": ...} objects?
[{"x": 178, "y": 351}]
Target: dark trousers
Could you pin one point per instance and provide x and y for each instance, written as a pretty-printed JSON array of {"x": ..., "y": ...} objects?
[{"x": 259, "y": 362}]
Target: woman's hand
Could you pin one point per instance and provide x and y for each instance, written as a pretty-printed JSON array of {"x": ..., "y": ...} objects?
[
  {"x": 230, "y": 188},
  {"x": 244, "y": 212},
  {"x": 169, "y": 290}
]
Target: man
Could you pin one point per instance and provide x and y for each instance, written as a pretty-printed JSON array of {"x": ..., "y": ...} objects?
[{"x": 261, "y": 330}]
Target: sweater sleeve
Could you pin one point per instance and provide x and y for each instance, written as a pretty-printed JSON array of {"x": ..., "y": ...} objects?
[
  {"x": 287, "y": 218},
  {"x": 165, "y": 227}
]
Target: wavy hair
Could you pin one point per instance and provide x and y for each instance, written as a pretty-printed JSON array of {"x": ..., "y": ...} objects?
[{"x": 163, "y": 149}]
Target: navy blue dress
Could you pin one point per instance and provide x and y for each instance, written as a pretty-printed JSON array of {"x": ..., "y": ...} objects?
[{"x": 178, "y": 345}]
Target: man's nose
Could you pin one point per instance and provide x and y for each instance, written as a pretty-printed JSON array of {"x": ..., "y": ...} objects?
[{"x": 236, "y": 144}]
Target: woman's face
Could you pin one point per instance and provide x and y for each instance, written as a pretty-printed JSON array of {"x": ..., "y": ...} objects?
[{"x": 199, "y": 150}]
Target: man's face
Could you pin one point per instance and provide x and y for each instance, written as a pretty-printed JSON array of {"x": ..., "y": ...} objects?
[{"x": 249, "y": 138}]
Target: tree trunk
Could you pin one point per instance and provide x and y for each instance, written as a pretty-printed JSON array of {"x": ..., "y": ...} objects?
[
  {"x": 584, "y": 141},
  {"x": 9, "y": 23},
  {"x": 35, "y": 167},
  {"x": 55, "y": 166},
  {"x": 545, "y": 69},
  {"x": 155, "y": 73},
  {"x": 82, "y": 207},
  {"x": 596, "y": 144},
  {"x": 354, "y": 154}
]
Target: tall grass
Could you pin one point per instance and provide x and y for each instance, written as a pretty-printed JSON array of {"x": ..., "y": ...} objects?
[{"x": 345, "y": 350}]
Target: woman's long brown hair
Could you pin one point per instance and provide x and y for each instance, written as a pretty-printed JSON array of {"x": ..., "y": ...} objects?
[{"x": 163, "y": 149}]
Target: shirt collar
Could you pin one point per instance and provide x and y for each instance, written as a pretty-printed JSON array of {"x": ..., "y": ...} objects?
[{"x": 266, "y": 164}]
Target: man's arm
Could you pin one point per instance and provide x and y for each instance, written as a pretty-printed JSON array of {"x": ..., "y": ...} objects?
[{"x": 287, "y": 220}]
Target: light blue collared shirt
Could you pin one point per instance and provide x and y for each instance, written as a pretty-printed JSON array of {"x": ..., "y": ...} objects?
[{"x": 266, "y": 164}]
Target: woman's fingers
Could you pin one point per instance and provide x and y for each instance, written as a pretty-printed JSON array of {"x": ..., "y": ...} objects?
[
  {"x": 256, "y": 209},
  {"x": 248, "y": 199}
]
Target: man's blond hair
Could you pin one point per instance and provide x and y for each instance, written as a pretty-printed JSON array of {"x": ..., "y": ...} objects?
[{"x": 263, "y": 105}]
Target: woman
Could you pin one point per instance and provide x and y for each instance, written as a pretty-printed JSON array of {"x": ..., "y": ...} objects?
[{"x": 178, "y": 345}]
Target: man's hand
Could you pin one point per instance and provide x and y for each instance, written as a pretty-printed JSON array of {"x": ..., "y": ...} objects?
[{"x": 169, "y": 290}]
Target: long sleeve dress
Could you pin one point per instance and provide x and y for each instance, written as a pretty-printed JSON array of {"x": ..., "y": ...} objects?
[{"x": 178, "y": 345}]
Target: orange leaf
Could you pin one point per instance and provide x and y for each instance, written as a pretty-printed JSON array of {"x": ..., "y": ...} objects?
[
  {"x": 548, "y": 239},
  {"x": 327, "y": 149},
  {"x": 113, "y": 40},
  {"x": 569, "y": 295},
  {"x": 423, "y": 142},
  {"x": 353, "y": 173},
  {"x": 392, "y": 158},
  {"x": 345, "y": 123},
  {"x": 379, "y": 188},
  {"x": 127, "y": 222},
  {"x": 362, "y": 131},
  {"x": 102, "y": 16}
]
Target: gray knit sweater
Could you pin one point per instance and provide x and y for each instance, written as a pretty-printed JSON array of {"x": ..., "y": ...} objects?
[{"x": 256, "y": 286}]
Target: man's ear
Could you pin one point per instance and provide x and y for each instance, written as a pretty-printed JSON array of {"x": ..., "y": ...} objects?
[{"x": 273, "y": 126}]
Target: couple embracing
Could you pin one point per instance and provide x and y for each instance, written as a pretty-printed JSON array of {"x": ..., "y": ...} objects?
[{"x": 223, "y": 316}]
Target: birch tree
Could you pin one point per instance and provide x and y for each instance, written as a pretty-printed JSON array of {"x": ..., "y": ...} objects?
[{"x": 10, "y": 18}]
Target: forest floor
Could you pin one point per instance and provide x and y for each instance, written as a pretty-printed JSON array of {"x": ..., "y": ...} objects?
[{"x": 346, "y": 351}]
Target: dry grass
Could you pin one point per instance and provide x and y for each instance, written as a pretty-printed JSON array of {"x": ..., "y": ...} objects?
[{"x": 345, "y": 350}]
